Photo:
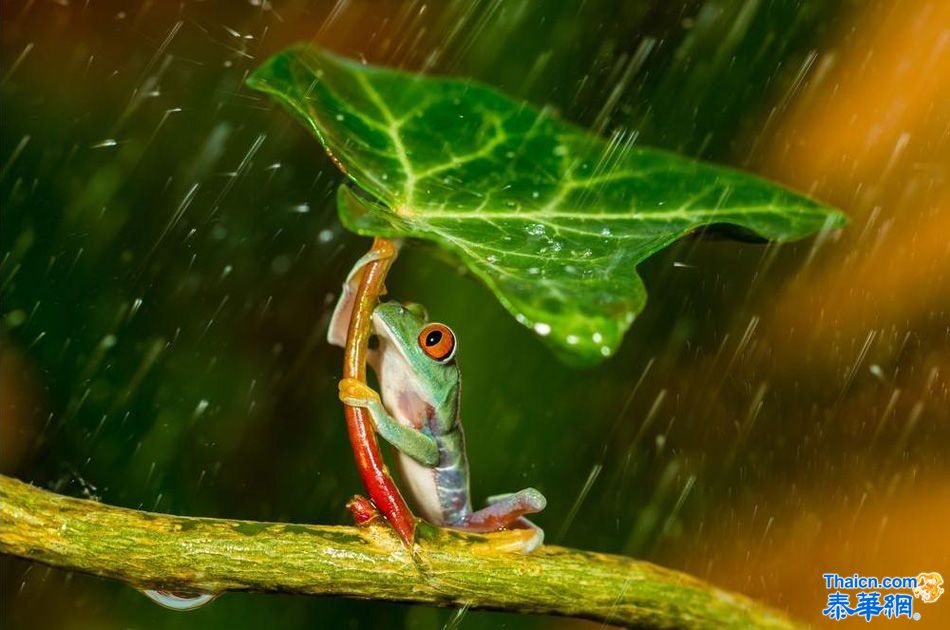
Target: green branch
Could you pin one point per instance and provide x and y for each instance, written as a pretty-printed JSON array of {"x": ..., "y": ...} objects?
[{"x": 447, "y": 568}]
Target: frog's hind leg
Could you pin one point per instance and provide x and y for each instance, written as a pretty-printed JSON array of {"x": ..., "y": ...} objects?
[
  {"x": 506, "y": 511},
  {"x": 340, "y": 322},
  {"x": 502, "y": 509}
]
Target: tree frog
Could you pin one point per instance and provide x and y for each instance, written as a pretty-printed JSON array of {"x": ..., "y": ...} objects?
[{"x": 418, "y": 413}]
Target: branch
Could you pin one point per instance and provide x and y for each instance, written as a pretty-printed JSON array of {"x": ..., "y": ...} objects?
[{"x": 447, "y": 568}]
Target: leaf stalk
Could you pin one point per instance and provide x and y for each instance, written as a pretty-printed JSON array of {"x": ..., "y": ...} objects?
[{"x": 379, "y": 484}]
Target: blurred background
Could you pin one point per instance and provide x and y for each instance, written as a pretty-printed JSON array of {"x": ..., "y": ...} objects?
[{"x": 170, "y": 251}]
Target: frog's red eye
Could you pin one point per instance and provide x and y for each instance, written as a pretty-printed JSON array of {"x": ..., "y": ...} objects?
[{"x": 438, "y": 341}]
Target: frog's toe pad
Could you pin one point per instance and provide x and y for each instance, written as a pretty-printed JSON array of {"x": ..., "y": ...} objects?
[
  {"x": 532, "y": 542},
  {"x": 536, "y": 540},
  {"x": 356, "y": 393},
  {"x": 533, "y": 500}
]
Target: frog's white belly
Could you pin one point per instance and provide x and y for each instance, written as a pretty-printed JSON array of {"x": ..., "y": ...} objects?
[
  {"x": 423, "y": 488},
  {"x": 441, "y": 493}
]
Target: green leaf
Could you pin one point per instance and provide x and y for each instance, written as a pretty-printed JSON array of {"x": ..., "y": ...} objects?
[{"x": 552, "y": 218}]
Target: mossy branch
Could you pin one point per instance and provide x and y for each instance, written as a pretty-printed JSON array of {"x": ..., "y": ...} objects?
[{"x": 446, "y": 568}]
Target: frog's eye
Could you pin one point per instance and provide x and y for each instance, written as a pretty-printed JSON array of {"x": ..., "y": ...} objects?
[{"x": 438, "y": 341}]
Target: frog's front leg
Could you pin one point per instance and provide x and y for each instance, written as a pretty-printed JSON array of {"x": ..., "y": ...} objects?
[
  {"x": 340, "y": 321},
  {"x": 415, "y": 444}
]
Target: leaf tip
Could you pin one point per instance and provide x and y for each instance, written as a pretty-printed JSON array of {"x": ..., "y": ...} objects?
[{"x": 836, "y": 219}]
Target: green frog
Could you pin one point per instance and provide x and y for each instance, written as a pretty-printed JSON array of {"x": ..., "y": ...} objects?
[{"x": 418, "y": 413}]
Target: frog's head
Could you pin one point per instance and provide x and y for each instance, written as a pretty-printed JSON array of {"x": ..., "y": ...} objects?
[{"x": 428, "y": 349}]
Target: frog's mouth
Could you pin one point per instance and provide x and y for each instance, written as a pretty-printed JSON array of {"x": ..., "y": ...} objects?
[
  {"x": 383, "y": 332},
  {"x": 409, "y": 407}
]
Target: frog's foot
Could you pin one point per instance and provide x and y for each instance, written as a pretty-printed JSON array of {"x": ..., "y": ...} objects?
[
  {"x": 537, "y": 537},
  {"x": 340, "y": 322},
  {"x": 356, "y": 393},
  {"x": 506, "y": 511},
  {"x": 363, "y": 510}
]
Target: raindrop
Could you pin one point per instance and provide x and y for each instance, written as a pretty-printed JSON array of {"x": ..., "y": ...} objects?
[
  {"x": 876, "y": 370},
  {"x": 542, "y": 329},
  {"x": 200, "y": 408},
  {"x": 179, "y": 600}
]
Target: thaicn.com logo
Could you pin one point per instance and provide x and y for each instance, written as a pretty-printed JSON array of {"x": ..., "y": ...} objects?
[{"x": 890, "y": 597}]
